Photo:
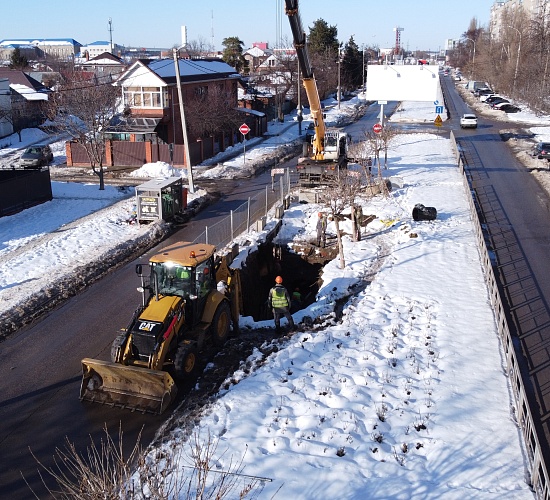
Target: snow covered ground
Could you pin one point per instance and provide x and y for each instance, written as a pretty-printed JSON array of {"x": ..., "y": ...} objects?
[{"x": 405, "y": 397}]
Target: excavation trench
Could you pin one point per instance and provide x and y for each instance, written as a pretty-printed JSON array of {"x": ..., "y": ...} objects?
[{"x": 300, "y": 267}]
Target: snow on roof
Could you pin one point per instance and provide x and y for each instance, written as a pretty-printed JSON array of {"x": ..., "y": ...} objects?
[
  {"x": 256, "y": 52},
  {"x": 40, "y": 41},
  {"x": 29, "y": 93},
  {"x": 251, "y": 111}
]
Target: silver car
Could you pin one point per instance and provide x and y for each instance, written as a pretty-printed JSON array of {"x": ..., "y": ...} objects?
[{"x": 36, "y": 156}]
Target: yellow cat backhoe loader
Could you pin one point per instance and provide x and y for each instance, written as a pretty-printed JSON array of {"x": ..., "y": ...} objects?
[{"x": 181, "y": 310}]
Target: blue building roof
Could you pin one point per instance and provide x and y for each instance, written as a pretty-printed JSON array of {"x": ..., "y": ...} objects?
[{"x": 190, "y": 68}]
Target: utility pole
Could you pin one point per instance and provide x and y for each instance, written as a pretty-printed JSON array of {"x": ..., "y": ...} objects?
[
  {"x": 339, "y": 92},
  {"x": 474, "y": 56},
  {"x": 183, "y": 125},
  {"x": 111, "y": 35},
  {"x": 363, "y": 69}
]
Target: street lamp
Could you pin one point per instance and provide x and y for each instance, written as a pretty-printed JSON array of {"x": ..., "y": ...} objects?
[
  {"x": 183, "y": 123},
  {"x": 474, "y": 56},
  {"x": 517, "y": 61}
]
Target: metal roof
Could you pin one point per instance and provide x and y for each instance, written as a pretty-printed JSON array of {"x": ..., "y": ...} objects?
[{"x": 165, "y": 68}]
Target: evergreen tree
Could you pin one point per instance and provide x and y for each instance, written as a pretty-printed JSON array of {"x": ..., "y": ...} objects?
[
  {"x": 17, "y": 60},
  {"x": 233, "y": 52},
  {"x": 323, "y": 39},
  {"x": 352, "y": 66}
]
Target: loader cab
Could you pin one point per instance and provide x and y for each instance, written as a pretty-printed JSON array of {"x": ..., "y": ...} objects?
[
  {"x": 172, "y": 279},
  {"x": 192, "y": 283}
]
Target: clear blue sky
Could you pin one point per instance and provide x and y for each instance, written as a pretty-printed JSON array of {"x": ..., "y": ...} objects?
[{"x": 426, "y": 23}]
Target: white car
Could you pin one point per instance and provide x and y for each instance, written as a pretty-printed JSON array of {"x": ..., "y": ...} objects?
[
  {"x": 468, "y": 120},
  {"x": 483, "y": 98}
]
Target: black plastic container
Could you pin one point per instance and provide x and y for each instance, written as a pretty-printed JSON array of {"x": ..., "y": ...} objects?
[{"x": 420, "y": 212}]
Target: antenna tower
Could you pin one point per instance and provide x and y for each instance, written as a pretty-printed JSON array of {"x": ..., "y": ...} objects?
[{"x": 397, "y": 49}]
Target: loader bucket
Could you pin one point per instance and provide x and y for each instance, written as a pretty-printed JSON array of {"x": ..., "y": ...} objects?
[{"x": 129, "y": 387}]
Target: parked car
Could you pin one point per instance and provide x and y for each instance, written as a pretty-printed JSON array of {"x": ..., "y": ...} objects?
[
  {"x": 483, "y": 91},
  {"x": 36, "y": 156},
  {"x": 507, "y": 107},
  {"x": 496, "y": 102},
  {"x": 541, "y": 150},
  {"x": 494, "y": 98},
  {"x": 468, "y": 120},
  {"x": 484, "y": 97}
]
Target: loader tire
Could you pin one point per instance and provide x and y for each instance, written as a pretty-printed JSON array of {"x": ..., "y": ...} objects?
[
  {"x": 118, "y": 342},
  {"x": 220, "y": 324},
  {"x": 185, "y": 361}
]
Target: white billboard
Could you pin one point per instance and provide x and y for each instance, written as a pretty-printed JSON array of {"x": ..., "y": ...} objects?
[{"x": 403, "y": 83}]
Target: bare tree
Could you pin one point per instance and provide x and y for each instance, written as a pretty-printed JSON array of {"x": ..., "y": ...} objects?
[
  {"x": 199, "y": 48},
  {"x": 362, "y": 152},
  {"x": 386, "y": 137},
  {"x": 514, "y": 58},
  {"x": 202, "y": 122},
  {"x": 83, "y": 109},
  {"x": 339, "y": 196},
  {"x": 281, "y": 76},
  {"x": 378, "y": 143}
]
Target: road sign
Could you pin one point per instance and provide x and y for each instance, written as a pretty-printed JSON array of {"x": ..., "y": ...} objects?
[
  {"x": 244, "y": 129},
  {"x": 438, "y": 121},
  {"x": 377, "y": 128},
  {"x": 438, "y": 110}
]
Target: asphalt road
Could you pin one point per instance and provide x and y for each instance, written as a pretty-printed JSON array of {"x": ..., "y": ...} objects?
[{"x": 517, "y": 220}]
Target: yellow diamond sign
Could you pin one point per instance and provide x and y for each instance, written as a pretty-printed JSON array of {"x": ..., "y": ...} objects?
[{"x": 438, "y": 121}]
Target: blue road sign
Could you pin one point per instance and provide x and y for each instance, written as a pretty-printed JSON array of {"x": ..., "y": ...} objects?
[{"x": 438, "y": 110}]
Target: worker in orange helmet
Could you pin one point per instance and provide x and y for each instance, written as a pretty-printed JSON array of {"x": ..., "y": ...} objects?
[{"x": 279, "y": 302}]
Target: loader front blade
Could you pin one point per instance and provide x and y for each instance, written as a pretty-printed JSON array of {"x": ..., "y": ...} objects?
[{"x": 130, "y": 387}]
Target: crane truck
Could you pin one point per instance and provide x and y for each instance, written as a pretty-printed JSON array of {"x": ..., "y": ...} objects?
[
  {"x": 182, "y": 309},
  {"x": 327, "y": 150}
]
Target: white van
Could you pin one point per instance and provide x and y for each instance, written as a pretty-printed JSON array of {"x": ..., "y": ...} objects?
[{"x": 473, "y": 85}]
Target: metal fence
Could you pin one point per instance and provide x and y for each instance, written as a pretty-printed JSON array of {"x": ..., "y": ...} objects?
[
  {"x": 20, "y": 189},
  {"x": 251, "y": 214},
  {"x": 538, "y": 471}
]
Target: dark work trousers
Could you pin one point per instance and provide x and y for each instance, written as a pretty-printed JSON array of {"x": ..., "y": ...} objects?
[{"x": 278, "y": 313}]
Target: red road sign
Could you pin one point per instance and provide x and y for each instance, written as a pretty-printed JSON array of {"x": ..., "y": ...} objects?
[
  {"x": 244, "y": 129},
  {"x": 377, "y": 128}
]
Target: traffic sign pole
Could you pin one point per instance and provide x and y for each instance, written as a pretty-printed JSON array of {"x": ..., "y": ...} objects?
[{"x": 244, "y": 129}]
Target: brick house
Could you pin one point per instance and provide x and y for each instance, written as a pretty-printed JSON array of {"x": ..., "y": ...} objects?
[
  {"x": 150, "y": 129},
  {"x": 28, "y": 97}
]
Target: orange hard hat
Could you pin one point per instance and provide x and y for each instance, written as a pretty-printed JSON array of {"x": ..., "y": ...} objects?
[{"x": 278, "y": 279}]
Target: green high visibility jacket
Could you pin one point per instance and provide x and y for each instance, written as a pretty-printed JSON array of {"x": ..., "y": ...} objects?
[{"x": 278, "y": 297}]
